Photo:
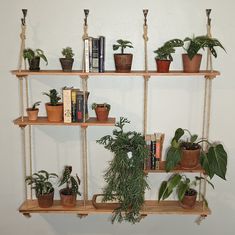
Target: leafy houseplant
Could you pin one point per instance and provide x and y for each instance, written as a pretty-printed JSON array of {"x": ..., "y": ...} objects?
[
  {"x": 69, "y": 193},
  {"x": 164, "y": 57},
  {"x": 192, "y": 60},
  {"x": 101, "y": 110},
  {"x": 67, "y": 61},
  {"x": 123, "y": 61},
  {"x": 54, "y": 108},
  {"x": 41, "y": 182},
  {"x": 33, "y": 57},
  {"x": 33, "y": 111},
  {"x": 186, "y": 193},
  {"x": 213, "y": 161},
  {"x": 125, "y": 177}
]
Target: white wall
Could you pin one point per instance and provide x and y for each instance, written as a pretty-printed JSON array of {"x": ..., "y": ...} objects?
[{"x": 173, "y": 102}]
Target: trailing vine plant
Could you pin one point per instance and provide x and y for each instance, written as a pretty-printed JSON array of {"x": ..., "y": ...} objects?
[{"x": 125, "y": 177}]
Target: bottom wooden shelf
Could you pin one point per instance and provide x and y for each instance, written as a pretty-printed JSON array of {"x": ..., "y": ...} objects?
[{"x": 150, "y": 207}]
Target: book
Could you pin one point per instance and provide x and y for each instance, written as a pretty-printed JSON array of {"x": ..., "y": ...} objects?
[
  {"x": 73, "y": 104},
  {"x": 90, "y": 53},
  {"x": 101, "y": 53},
  {"x": 86, "y": 55},
  {"x": 67, "y": 105},
  {"x": 95, "y": 55}
]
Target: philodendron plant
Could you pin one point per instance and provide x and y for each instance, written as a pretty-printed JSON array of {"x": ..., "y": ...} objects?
[
  {"x": 213, "y": 160},
  {"x": 123, "y": 44}
]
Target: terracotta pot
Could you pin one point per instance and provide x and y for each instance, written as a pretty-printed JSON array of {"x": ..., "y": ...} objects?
[
  {"x": 66, "y": 64},
  {"x": 54, "y": 112},
  {"x": 190, "y": 158},
  {"x": 66, "y": 199},
  {"x": 123, "y": 62},
  {"x": 193, "y": 65},
  {"x": 34, "y": 64},
  {"x": 189, "y": 201},
  {"x": 32, "y": 114},
  {"x": 102, "y": 113},
  {"x": 46, "y": 200},
  {"x": 163, "y": 66}
]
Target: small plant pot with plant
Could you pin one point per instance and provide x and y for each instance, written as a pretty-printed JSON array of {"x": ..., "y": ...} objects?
[
  {"x": 123, "y": 61},
  {"x": 102, "y": 111},
  {"x": 163, "y": 58},
  {"x": 54, "y": 108},
  {"x": 192, "y": 60},
  {"x": 67, "y": 61},
  {"x": 190, "y": 154},
  {"x": 33, "y": 111},
  {"x": 33, "y": 57},
  {"x": 185, "y": 189},
  {"x": 41, "y": 183},
  {"x": 69, "y": 194}
]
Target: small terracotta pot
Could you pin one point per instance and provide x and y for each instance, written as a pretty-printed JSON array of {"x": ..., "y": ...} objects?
[
  {"x": 66, "y": 64},
  {"x": 189, "y": 201},
  {"x": 163, "y": 66},
  {"x": 190, "y": 158},
  {"x": 193, "y": 65},
  {"x": 102, "y": 113},
  {"x": 54, "y": 112},
  {"x": 32, "y": 114},
  {"x": 34, "y": 64},
  {"x": 67, "y": 200},
  {"x": 46, "y": 200},
  {"x": 123, "y": 62}
]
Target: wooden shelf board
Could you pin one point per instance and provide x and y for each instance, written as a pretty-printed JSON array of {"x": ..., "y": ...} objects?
[
  {"x": 161, "y": 169},
  {"x": 174, "y": 73},
  {"x": 150, "y": 207},
  {"x": 43, "y": 121}
]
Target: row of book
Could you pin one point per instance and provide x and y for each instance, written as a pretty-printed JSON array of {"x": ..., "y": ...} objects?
[
  {"x": 94, "y": 54},
  {"x": 155, "y": 144},
  {"x": 75, "y": 106}
]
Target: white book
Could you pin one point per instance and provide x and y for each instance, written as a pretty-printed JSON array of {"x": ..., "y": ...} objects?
[
  {"x": 86, "y": 55},
  {"x": 67, "y": 105}
]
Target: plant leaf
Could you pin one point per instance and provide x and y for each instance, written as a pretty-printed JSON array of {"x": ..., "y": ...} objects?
[{"x": 172, "y": 158}]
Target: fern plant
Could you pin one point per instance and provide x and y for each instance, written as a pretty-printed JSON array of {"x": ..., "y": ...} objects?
[{"x": 125, "y": 177}]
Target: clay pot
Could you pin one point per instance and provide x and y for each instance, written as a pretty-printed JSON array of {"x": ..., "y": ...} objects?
[
  {"x": 102, "y": 113},
  {"x": 32, "y": 114},
  {"x": 189, "y": 200},
  {"x": 46, "y": 200},
  {"x": 189, "y": 158},
  {"x": 54, "y": 112},
  {"x": 193, "y": 65},
  {"x": 34, "y": 64},
  {"x": 123, "y": 62},
  {"x": 163, "y": 66},
  {"x": 67, "y": 200},
  {"x": 66, "y": 64}
]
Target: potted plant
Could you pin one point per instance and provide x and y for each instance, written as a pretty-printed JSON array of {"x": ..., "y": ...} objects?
[
  {"x": 164, "y": 57},
  {"x": 33, "y": 57},
  {"x": 54, "y": 108},
  {"x": 192, "y": 60},
  {"x": 189, "y": 154},
  {"x": 67, "y": 61},
  {"x": 123, "y": 61},
  {"x": 33, "y": 111},
  {"x": 69, "y": 194},
  {"x": 41, "y": 183},
  {"x": 185, "y": 189},
  {"x": 125, "y": 178},
  {"x": 102, "y": 111}
]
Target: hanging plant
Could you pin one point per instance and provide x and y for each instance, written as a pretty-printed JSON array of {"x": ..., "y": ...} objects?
[{"x": 125, "y": 177}]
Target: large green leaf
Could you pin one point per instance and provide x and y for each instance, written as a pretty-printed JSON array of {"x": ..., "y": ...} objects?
[
  {"x": 182, "y": 188},
  {"x": 162, "y": 190},
  {"x": 172, "y": 158},
  {"x": 178, "y": 134},
  {"x": 206, "y": 165}
]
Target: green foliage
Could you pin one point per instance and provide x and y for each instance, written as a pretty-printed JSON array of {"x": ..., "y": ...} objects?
[
  {"x": 72, "y": 183},
  {"x": 213, "y": 161},
  {"x": 105, "y": 105},
  {"x": 54, "y": 97},
  {"x": 181, "y": 184},
  {"x": 164, "y": 52},
  {"x": 34, "y": 106},
  {"x": 67, "y": 53},
  {"x": 41, "y": 182},
  {"x": 31, "y": 54},
  {"x": 201, "y": 42},
  {"x": 123, "y": 44},
  {"x": 125, "y": 177}
]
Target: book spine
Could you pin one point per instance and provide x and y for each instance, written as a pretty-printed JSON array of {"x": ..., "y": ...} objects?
[
  {"x": 153, "y": 154},
  {"x": 86, "y": 55},
  {"x": 73, "y": 106},
  {"x": 79, "y": 106},
  {"x": 90, "y": 53},
  {"x": 67, "y": 105},
  {"x": 101, "y": 53},
  {"x": 95, "y": 54}
]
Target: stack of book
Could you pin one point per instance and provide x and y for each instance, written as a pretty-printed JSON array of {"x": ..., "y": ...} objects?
[
  {"x": 94, "y": 54},
  {"x": 75, "y": 106},
  {"x": 154, "y": 143}
]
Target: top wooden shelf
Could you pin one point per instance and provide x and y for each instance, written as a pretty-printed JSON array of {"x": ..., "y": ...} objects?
[{"x": 178, "y": 73}]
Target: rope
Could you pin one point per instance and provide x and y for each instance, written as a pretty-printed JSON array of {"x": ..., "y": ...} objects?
[
  {"x": 24, "y": 161},
  {"x": 22, "y": 46},
  {"x": 145, "y": 36},
  {"x": 85, "y": 36},
  {"x": 21, "y": 99}
]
